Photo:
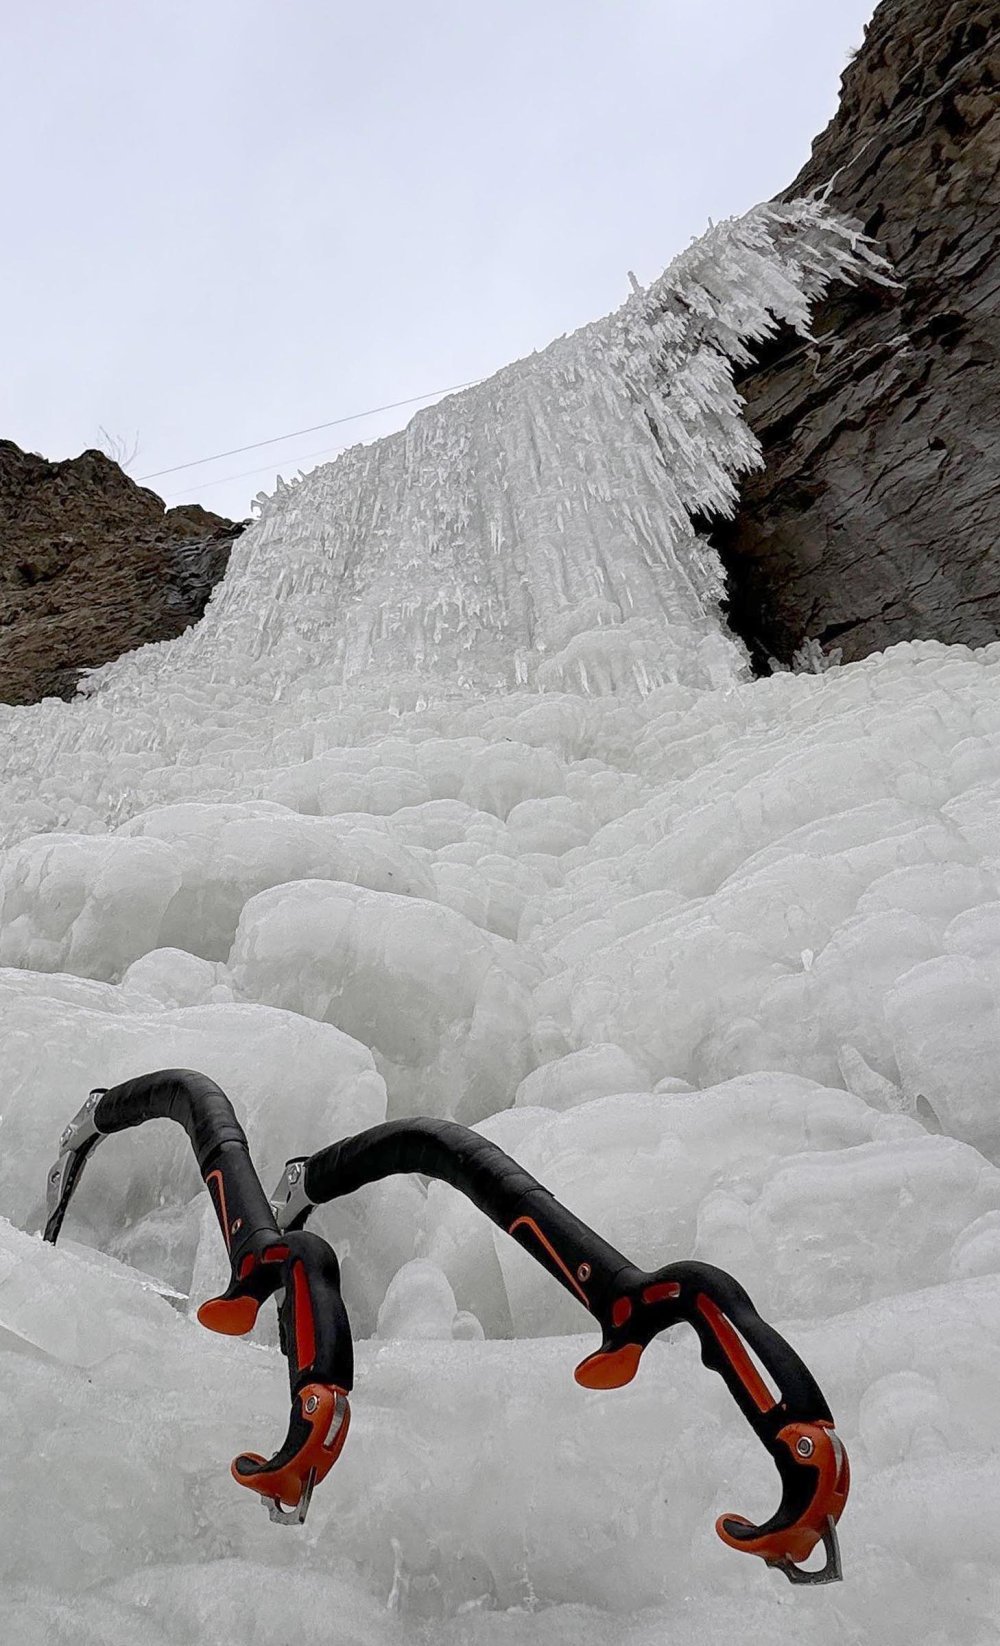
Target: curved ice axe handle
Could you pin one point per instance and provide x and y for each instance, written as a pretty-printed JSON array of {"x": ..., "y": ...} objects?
[
  {"x": 632, "y": 1306},
  {"x": 315, "y": 1331}
]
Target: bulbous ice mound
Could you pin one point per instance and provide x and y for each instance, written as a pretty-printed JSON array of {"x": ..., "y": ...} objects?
[{"x": 535, "y": 530}]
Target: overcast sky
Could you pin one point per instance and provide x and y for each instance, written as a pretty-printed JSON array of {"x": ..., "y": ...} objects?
[{"x": 226, "y": 219}]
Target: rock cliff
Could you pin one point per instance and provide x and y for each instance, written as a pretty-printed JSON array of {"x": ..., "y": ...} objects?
[
  {"x": 876, "y": 518},
  {"x": 92, "y": 565}
]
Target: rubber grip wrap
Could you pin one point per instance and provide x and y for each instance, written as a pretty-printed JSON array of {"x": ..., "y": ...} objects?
[
  {"x": 219, "y": 1142},
  {"x": 573, "y": 1254},
  {"x": 435, "y": 1148},
  {"x": 184, "y": 1095}
]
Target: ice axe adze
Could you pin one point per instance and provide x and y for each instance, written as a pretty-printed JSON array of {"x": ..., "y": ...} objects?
[
  {"x": 299, "y": 1269},
  {"x": 632, "y": 1306}
]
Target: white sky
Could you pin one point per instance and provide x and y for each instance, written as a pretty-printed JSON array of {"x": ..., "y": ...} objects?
[{"x": 226, "y": 219}]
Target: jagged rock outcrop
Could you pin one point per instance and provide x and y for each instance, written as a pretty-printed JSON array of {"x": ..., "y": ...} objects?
[
  {"x": 92, "y": 565},
  {"x": 877, "y": 518}
]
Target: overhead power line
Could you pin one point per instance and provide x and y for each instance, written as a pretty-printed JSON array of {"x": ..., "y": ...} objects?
[
  {"x": 822, "y": 190},
  {"x": 248, "y": 474},
  {"x": 293, "y": 434}
]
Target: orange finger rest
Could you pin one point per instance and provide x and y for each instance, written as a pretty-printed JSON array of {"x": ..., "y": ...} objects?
[
  {"x": 610, "y": 1370},
  {"x": 833, "y": 1481},
  {"x": 327, "y": 1411},
  {"x": 232, "y": 1316}
]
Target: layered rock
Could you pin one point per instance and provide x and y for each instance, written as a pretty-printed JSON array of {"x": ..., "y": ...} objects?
[
  {"x": 92, "y": 565},
  {"x": 875, "y": 519}
]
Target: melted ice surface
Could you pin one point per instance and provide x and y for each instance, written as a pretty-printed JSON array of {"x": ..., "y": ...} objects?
[{"x": 459, "y": 802}]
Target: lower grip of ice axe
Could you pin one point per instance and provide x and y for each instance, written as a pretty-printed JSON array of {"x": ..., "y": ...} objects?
[
  {"x": 316, "y": 1340},
  {"x": 815, "y": 1498},
  {"x": 320, "y": 1419},
  {"x": 775, "y": 1391}
]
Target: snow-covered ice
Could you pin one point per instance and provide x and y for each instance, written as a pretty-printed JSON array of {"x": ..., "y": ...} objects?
[{"x": 460, "y": 801}]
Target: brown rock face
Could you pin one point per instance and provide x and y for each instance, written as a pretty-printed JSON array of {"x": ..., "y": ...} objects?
[
  {"x": 876, "y": 519},
  {"x": 92, "y": 565}
]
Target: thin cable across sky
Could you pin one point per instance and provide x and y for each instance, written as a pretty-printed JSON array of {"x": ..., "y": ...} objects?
[{"x": 314, "y": 428}]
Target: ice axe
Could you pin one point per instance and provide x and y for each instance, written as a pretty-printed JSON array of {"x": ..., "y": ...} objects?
[
  {"x": 631, "y": 1306},
  {"x": 299, "y": 1269}
]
